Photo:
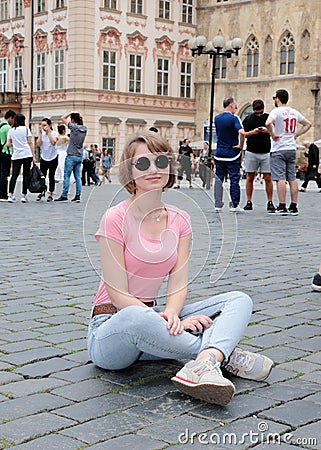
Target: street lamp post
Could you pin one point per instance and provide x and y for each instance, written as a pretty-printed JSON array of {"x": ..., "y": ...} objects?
[{"x": 216, "y": 48}]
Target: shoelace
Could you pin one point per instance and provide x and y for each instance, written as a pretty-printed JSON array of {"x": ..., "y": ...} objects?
[{"x": 241, "y": 358}]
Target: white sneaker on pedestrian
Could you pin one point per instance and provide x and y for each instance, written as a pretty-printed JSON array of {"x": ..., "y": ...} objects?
[
  {"x": 251, "y": 366},
  {"x": 24, "y": 199},
  {"x": 204, "y": 380},
  {"x": 12, "y": 199},
  {"x": 217, "y": 209},
  {"x": 236, "y": 209}
]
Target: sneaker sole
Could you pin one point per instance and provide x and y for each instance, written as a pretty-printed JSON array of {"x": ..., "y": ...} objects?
[
  {"x": 316, "y": 287},
  {"x": 294, "y": 213},
  {"x": 210, "y": 393},
  {"x": 282, "y": 213}
]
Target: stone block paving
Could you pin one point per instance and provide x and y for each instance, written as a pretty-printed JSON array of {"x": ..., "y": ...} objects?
[{"x": 53, "y": 397}]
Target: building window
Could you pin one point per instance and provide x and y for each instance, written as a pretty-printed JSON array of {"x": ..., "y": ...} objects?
[
  {"x": 109, "y": 70},
  {"x": 3, "y": 9},
  {"x": 110, "y": 4},
  {"x": 109, "y": 144},
  {"x": 60, "y": 4},
  {"x": 136, "y": 6},
  {"x": 3, "y": 74},
  {"x": 187, "y": 11},
  {"x": 18, "y": 73},
  {"x": 135, "y": 73},
  {"x": 18, "y": 8},
  {"x": 287, "y": 53},
  {"x": 220, "y": 67},
  {"x": 162, "y": 76},
  {"x": 40, "y": 6},
  {"x": 40, "y": 71},
  {"x": 164, "y": 9},
  {"x": 252, "y": 58},
  {"x": 186, "y": 79},
  {"x": 59, "y": 69}
]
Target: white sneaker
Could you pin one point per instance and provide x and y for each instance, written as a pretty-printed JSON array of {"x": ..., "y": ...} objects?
[
  {"x": 204, "y": 380},
  {"x": 24, "y": 199},
  {"x": 218, "y": 210},
  {"x": 236, "y": 209},
  {"x": 12, "y": 200},
  {"x": 251, "y": 366}
]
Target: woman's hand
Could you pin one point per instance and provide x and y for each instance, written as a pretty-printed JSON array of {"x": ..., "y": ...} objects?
[
  {"x": 174, "y": 325},
  {"x": 197, "y": 323}
]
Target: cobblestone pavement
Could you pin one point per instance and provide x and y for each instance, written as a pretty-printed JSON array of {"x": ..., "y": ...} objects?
[{"x": 53, "y": 397}]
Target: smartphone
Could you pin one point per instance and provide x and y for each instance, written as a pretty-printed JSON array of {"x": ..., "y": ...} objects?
[
  {"x": 260, "y": 128},
  {"x": 198, "y": 333}
]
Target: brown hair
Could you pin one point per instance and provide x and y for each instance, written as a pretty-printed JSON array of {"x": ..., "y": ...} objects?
[{"x": 155, "y": 144}]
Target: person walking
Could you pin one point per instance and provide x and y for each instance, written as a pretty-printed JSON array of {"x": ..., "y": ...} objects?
[
  {"x": 203, "y": 167},
  {"x": 73, "y": 161},
  {"x": 20, "y": 139},
  {"x": 312, "y": 172},
  {"x": 47, "y": 141},
  {"x": 5, "y": 154},
  {"x": 257, "y": 154},
  {"x": 61, "y": 145},
  {"x": 230, "y": 141},
  {"x": 185, "y": 152},
  {"x": 282, "y": 124},
  {"x": 146, "y": 241},
  {"x": 106, "y": 164}
]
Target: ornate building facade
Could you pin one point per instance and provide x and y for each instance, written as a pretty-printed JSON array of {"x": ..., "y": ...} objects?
[
  {"x": 281, "y": 50},
  {"x": 124, "y": 64}
]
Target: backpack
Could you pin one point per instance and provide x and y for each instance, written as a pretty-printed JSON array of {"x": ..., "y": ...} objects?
[
  {"x": 37, "y": 180},
  {"x": 2, "y": 145}
]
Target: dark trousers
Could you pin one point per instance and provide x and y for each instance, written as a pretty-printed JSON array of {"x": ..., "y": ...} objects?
[
  {"x": 312, "y": 174},
  {"x": 185, "y": 166},
  {"x": 87, "y": 172},
  {"x": 50, "y": 166},
  {"x": 16, "y": 167},
  {"x": 5, "y": 165},
  {"x": 233, "y": 169}
]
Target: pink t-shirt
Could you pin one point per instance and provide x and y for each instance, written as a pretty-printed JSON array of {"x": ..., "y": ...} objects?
[{"x": 147, "y": 261}]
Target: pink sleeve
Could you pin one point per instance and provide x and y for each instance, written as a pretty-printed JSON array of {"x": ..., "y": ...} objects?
[
  {"x": 185, "y": 224},
  {"x": 111, "y": 226}
]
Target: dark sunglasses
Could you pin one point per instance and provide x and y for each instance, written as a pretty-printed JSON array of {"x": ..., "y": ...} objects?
[
  {"x": 143, "y": 163},
  {"x": 258, "y": 113}
]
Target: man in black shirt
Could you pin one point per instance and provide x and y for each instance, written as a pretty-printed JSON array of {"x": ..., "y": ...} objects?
[
  {"x": 313, "y": 164},
  {"x": 184, "y": 158},
  {"x": 257, "y": 155}
]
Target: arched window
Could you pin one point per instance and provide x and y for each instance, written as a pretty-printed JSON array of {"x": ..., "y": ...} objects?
[
  {"x": 252, "y": 57},
  {"x": 287, "y": 53}
]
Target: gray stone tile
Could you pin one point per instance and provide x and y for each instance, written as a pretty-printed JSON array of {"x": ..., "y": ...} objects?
[
  {"x": 45, "y": 368},
  {"x": 295, "y": 413},
  {"x": 51, "y": 442},
  {"x": 27, "y": 387},
  {"x": 84, "y": 390},
  {"x": 30, "y": 427},
  {"x": 129, "y": 442}
]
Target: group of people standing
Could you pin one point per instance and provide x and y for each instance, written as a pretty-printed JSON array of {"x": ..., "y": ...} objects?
[
  {"x": 271, "y": 147},
  {"x": 61, "y": 155}
]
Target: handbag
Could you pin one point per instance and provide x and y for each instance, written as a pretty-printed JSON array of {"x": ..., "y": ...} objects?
[{"x": 37, "y": 180}]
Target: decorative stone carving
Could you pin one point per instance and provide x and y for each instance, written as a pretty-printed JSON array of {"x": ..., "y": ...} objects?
[
  {"x": 41, "y": 41},
  {"x": 305, "y": 44},
  {"x": 110, "y": 37},
  {"x": 59, "y": 38},
  {"x": 164, "y": 48}
]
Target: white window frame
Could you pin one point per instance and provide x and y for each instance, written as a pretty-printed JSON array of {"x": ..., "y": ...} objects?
[
  {"x": 18, "y": 73},
  {"x": 4, "y": 10},
  {"x": 164, "y": 9},
  {"x": 40, "y": 71},
  {"x": 40, "y": 6},
  {"x": 60, "y": 4},
  {"x": 135, "y": 73},
  {"x": 109, "y": 70},
  {"x": 187, "y": 11},
  {"x": 136, "y": 6},
  {"x": 163, "y": 73},
  {"x": 59, "y": 61},
  {"x": 18, "y": 8},
  {"x": 110, "y": 4},
  {"x": 3, "y": 74},
  {"x": 185, "y": 79}
]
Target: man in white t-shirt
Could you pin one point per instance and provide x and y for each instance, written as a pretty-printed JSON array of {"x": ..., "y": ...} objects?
[{"x": 282, "y": 125}]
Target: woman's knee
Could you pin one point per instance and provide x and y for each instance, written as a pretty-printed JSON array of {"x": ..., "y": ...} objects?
[{"x": 242, "y": 300}]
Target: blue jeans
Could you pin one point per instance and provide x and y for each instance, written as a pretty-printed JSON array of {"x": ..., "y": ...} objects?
[
  {"x": 233, "y": 169},
  {"x": 135, "y": 333},
  {"x": 72, "y": 164}
]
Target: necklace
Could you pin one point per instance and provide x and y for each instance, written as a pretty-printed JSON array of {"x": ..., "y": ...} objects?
[{"x": 157, "y": 218}]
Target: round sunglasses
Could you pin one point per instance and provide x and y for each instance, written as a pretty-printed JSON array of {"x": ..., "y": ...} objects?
[{"x": 143, "y": 163}]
